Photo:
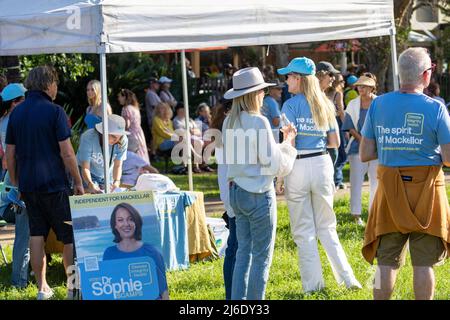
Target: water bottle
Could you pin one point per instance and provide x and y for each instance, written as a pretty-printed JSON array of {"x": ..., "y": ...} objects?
[{"x": 284, "y": 121}]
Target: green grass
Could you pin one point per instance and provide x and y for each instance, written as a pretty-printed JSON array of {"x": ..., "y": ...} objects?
[{"x": 203, "y": 281}]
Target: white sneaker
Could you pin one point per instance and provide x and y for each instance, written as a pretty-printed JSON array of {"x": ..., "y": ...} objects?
[
  {"x": 358, "y": 220},
  {"x": 353, "y": 284},
  {"x": 45, "y": 295}
]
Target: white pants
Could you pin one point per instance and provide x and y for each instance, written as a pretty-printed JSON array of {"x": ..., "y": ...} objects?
[
  {"x": 309, "y": 195},
  {"x": 358, "y": 170}
]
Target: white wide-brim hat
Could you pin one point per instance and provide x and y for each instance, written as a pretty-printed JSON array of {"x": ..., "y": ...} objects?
[
  {"x": 116, "y": 125},
  {"x": 245, "y": 81}
]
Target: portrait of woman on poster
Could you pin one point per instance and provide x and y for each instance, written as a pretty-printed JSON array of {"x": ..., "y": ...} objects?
[{"x": 126, "y": 225}]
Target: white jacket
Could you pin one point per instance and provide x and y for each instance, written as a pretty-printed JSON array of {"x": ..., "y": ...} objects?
[
  {"x": 353, "y": 110},
  {"x": 254, "y": 161}
]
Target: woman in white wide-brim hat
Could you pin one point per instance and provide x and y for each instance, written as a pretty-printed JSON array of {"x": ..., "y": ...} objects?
[
  {"x": 254, "y": 159},
  {"x": 90, "y": 154}
]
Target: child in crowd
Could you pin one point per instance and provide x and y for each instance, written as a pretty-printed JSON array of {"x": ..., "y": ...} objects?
[{"x": 134, "y": 165}]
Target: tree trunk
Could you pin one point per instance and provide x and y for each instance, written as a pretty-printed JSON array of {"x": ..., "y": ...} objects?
[{"x": 281, "y": 55}]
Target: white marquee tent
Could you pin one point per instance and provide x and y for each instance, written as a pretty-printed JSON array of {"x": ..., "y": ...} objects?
[{"x": 115, "y": 26}]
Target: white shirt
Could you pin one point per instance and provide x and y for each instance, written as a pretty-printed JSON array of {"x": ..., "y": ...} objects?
[{"x": 252, "y": 155}]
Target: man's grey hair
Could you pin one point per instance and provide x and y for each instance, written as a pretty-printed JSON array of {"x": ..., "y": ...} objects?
[{"x": 411, "y": 65}]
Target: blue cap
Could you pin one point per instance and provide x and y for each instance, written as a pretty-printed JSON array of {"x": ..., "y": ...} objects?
[
  {"x": 164, "y": 79},
  {"x": 301, "y": 65},
  {"x": 351, "y": 80},
  {"x": 12, "y": 91}
]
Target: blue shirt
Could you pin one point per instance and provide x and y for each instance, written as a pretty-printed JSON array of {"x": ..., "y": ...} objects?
[
  {"x": 90, "y": 150},
  {"x": 271, "y": 110},
  {"x": 36, "y": 126},
  {"x": 147, "y": 250},
  {"x": 298, "y": 112},
  {"x": 408, "y": 129},
  {"x": 348, "y": 124},
  {"x": 171, "y": 213},
  {"x": 204, "y": 123},
  {"x": 3, "y": 127}
]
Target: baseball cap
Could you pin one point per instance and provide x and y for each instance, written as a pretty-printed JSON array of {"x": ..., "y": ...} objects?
[
  {"x": 12, "y": 91},
  {"x": 326, "y": 66},
  {"x": 301, "y": 65},
  {"x": 164, "y": 79},
  {"x": 351, "y": 80},
  {"x": 153, "y": 80}
]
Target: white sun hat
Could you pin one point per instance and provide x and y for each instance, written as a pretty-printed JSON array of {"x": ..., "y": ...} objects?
[
  {"x": 245, "y": 81},
  {"x": 116, "y": 125}
]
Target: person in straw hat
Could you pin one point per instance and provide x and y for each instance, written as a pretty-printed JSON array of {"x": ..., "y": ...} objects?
[
  {"x": 254, "y": 159},
  {"x": 310, "y": 185},
  {"x": 354, "y": 121},
  {"x": 90, "y": 154}
]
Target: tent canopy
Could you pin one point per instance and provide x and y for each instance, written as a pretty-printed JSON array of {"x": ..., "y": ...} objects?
[{"x": 67, "y": 26}]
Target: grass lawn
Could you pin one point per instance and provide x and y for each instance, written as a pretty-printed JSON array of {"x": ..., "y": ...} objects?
[{"x": 204, "y": 280}]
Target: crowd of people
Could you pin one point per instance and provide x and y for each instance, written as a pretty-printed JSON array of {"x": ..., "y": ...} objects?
[
  {"x": 400, "y": 139},
  {"x": 310, "y": 127}
]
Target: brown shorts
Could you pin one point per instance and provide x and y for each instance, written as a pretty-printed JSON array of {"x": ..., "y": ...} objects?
[{"x": 425, "y": 250}]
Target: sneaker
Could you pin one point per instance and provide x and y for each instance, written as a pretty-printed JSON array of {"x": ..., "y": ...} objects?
[
  {"x": 207, "y": 169},
  {"x": 45, "y": 295},
  {"x": 341, "y": 186},
  {"x": 196, "y": 170},
  {"x": 353, "y": 284},
  {"x": 359, "y": 221}
]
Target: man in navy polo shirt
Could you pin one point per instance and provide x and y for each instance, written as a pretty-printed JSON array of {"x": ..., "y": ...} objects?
[{"x": 38, "y": 153}]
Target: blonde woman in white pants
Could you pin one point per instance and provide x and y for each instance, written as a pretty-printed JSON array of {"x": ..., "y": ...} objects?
[
  {"x": 310, "y": 185},
  {"x": 354, "y": 121}
]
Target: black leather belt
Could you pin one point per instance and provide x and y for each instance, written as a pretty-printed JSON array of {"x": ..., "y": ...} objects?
[{"x": 309, "y": 155}]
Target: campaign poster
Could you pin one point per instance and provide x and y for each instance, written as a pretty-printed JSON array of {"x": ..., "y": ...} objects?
[{"x": 101, "y": 225}]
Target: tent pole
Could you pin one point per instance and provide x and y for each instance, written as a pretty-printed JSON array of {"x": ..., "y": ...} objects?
[
  {"x": 186, "y": 108},
  {"x": 394, "y": 56},
  {"x": 105, "y": 123}
]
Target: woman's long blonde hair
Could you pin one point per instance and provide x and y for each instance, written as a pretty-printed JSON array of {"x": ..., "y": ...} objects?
[
  {"x": 97, "y": 100},
  {"x": 322, "y": 109},
  {"x": 159, "y": 110},
  {"x": 248, "y": 102}
]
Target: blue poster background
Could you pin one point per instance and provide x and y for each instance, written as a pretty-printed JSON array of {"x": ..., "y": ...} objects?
[{"x": 121, "y": 279}]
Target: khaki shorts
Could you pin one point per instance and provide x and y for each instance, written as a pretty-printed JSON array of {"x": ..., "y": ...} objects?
[{"x": 425, "y": 250}]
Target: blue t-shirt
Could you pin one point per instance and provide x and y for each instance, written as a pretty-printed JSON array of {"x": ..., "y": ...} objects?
[
  {"x": 298, "y": 112},
  {"x": 90, "y": 150},
  {"x": 35, "y": 127},
  {"x": 147, "y": 250},
  {"x": 348, "y": 124},
  {"x": 271, "y": 109},
  {"x": 171, "y": 213},
  {"x": 408, "y": 129},
  {"x": 3, "y": 127}
]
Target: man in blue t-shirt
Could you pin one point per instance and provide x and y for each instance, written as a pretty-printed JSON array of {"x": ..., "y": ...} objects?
[
  {"x": 38, "y": 153},
  {"x": 407, "y": 129}
]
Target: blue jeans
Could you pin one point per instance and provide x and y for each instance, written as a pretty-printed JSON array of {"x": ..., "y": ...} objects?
[
  {"x": 21, "y": 250},
  {"x": 166, "y": 145},
  {"x": 256, "y": 215},
  {"x": 230, "y": 257}
]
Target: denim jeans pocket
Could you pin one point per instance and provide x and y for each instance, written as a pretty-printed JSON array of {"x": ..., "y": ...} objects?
[{"x": 246, "y": 202}]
